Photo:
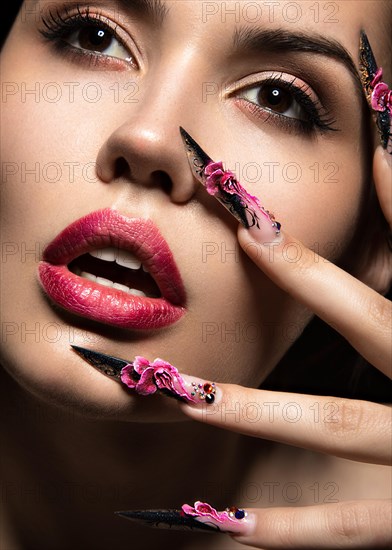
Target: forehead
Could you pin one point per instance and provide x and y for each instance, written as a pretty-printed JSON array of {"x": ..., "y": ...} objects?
[{"x": 340, "y": 20}]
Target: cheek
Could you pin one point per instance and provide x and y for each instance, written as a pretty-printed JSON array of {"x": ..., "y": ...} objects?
[
  {"x": 325, "y": 208},
  {"x": 315, "y": 188},
  {"x": 243, "y": 324}
]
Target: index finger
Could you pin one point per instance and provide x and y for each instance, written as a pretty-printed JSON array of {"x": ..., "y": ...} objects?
[
  {"x": 356, "y": 311},
  {"x": 348, "y": 428}
]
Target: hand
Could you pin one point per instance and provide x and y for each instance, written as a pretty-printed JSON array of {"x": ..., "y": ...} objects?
[{"x": 360, "y": 431}]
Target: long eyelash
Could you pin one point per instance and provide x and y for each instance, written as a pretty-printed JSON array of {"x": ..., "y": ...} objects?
[
  {"x": 317, "y": 117},
  {"x": 58, "y": 25},
  {"x": 314, "y": 110}
]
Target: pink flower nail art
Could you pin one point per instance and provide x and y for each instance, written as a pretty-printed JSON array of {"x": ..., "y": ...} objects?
[
  {"x": 378, "y": 93},
  {"x": 205, "y": 510},
  {"x": 147, "y": 378},
  {"x": 223, "y": 185},
  {"x": 381, "y": 98},
  {"x": 232, "y": 520},
  {"x": 201, "y": 516}
]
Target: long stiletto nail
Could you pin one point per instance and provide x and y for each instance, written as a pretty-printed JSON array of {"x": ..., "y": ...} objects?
[
  {"x": 223, "y": 185},
  {"x": 200, "y": 517},
  {"x": 378, "y": 93},
  {"x": 147, "y": 378}
]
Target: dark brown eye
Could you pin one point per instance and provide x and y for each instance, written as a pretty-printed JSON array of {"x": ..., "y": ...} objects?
[
  {"x": 98, "y": 39},
  {"x": 275, "y": 98},
  {"x": 95, "y": 39}
]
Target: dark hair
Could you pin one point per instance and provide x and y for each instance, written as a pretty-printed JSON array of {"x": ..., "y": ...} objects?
[
  {"x": 322, "y": 362},
  {"x": 9, "y": 13}
]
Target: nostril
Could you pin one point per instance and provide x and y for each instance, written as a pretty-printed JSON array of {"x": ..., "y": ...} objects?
[
  {"x": 121, "y": 168},
  {"x": 163, "y": 180}
]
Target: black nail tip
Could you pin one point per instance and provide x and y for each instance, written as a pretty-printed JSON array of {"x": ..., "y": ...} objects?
[
  {"x": 88, "y": 355},
  {"x": 367, "y": 60},
  {"x": 183, "y": 132},
  {"x": 201, "y": 159},
  {"x": 167, "y": 519},
  {"x": 107, "y": 364},
  {"x": 364, "y": 38}
]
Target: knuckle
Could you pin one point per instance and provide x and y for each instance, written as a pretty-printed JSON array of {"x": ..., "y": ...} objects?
[
  {"x": 348, "y": 521},
  {"x": 284, "y": 527},
  {"x": 379, "y": 312},
  {"x": 304, "y": 262},
  {"x": 349, "y": 421}
]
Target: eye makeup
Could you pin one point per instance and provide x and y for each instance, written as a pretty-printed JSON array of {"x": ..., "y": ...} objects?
[
  {"x": 287, "y": 101},
  {"x": 88, "y": 36}
]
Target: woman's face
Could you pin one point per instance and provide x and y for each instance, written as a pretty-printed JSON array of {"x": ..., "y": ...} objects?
[{"x": 263, "y": 86}]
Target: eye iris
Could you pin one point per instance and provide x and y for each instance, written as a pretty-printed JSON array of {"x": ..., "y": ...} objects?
[
  {"x": 275, "y": 98},
  {"x": 92, "y": 38}
]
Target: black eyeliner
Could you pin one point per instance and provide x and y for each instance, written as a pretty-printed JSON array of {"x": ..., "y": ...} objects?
[
  {"x": 316, "y": 119},
  {"x": 59, "y": 26}
]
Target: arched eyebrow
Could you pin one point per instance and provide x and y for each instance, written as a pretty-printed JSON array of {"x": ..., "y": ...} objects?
[
  {"x": 254, "y": 40},
  {"x": 153, "y": 10}
]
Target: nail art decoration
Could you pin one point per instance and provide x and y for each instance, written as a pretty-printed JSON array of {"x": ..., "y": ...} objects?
[
  {"x": 378, "y": 93},
  {"x": 147, "y": 378},
  {"x": 204, "y": 510},
  {"x": 167, "y": 519},
  {"x": 201, "y": 516},
  {"x": 223, "y": 185}
]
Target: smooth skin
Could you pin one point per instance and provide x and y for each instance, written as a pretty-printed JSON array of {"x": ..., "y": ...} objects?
[
  {"x": 67, "y": 467},
  {"x": 347, "y": 428}
]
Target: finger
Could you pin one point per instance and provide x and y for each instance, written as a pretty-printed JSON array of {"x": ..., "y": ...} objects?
[
  {"x": 358, "y": 430},
  {"x": 360, "y": 314},
  {"x": 382, "y": 174},
  {"x": 363, "y": 524}
]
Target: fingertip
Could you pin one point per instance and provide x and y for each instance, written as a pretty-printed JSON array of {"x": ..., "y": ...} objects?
[
  {"x": 205, "y": 407},
  {"x": 256, "y": 247},
  {"x": 383, "y": 156}
]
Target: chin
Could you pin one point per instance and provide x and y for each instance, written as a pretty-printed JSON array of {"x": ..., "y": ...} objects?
[{"x": 62, "y": 381}]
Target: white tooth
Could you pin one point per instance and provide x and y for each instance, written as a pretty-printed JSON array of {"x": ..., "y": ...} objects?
[
  {"x": 126, "y": 259},
  {"x": 88, "y": 276},
  {"x": 106, "y": 254},
  {"x": 136, "y": 292},
  {"x": 104, "y": 282},
  {"x": 120, "y": 287},
  {"x": 145, "y": 269}
]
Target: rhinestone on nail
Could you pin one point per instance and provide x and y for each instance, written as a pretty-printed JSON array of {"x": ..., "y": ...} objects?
[
  {"x": 237, "y": 513},
  {"x": 205, "y": 392}
]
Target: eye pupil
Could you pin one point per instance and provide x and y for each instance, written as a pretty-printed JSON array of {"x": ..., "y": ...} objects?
[
  {"x": 91, "y": 38},
  {"x": 275, "y": 97}
]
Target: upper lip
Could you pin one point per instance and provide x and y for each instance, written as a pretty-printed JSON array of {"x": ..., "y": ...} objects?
[{"x": 141, "y": 237}]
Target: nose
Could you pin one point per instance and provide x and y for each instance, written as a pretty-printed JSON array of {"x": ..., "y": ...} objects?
[{"x": 147, "y": 150}]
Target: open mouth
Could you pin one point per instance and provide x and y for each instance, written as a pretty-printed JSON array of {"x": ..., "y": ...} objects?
[{"x": 116, "y": 268}]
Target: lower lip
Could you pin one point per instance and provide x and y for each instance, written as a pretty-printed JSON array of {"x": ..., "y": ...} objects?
[{"x": 104, "y": 304}]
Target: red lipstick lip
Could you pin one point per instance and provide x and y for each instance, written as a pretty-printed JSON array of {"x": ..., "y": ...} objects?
[{"x": 89, "y": 299}]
